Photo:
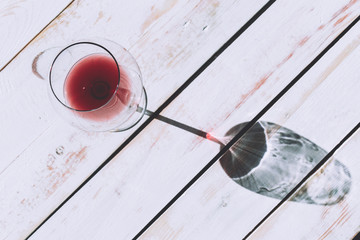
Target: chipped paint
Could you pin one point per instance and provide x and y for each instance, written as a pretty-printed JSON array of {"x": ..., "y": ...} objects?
[
  {"x": 245, "y": 96},
  {"x": 331, "y": 67},
  {"x": 340, "y": 20},
  {"x": 59, "y": 174},
  {"x": 156, "y": 13},
  {"x": 321, "y": 27},
  {"x": 97, "y": 193},
  {"x": 325, "y": 213},
  {"x": 256, "y": 87},
  {"x": 11, "y": 8},
  {"x": 343, "y": 9},
  {"x": 215, "y": 5},
  {"x": 100, "y": 16},
  {"x": 344, "y": 215},
  {"x": 166, "y": 230},
  {"x": 303, "y": 41},
  {"x": 339, "y": 59}
]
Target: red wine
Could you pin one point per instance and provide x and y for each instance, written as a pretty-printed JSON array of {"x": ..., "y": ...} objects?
[{"x": 91, "y": 87}]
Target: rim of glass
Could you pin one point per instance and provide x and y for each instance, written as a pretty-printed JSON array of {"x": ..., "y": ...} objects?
[{"x": 71, "y": 45}]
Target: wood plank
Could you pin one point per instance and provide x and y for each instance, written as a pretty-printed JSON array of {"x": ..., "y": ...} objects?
[
  {"x": 321, "y": 108},
  {"x": 21, "y": 21},
  {"x": 44, "y": 163},
  {"x": 339, "y": 221},
  {"x": 146, "y": 174}
]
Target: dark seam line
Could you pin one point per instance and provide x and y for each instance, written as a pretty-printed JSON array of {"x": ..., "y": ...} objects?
[
  {"x": 247, "y": 127},
  {"x": 27, "y": 44},
  {"x": 298, "y": 186},
  {"x": 161, "y": 108},
  {"x": 357, "y": 237}
]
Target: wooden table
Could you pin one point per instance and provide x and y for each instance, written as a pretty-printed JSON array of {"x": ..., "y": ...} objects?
[{"x": 207, "y": 64}]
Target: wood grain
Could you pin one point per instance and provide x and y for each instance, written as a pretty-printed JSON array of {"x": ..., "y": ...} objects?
[
  {"x": 340, "y": 221},
  {"x": 35, "y": 179},
  {"x": 321, "y": 108},
  {"x": 143, "y": 177},
  {"x": 21, "y": 21}
]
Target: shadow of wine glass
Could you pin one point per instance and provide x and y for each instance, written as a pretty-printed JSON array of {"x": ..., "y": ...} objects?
[{"x": 271, "y": 160}]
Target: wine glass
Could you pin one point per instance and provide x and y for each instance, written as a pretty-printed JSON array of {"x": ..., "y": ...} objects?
[{"x": 97, "y": 86}]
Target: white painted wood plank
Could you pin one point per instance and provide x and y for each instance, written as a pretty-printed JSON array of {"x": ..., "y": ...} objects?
[
  {"x": 320, "y": 108},
  {"x": 128, "y": 192},
  {"x": 22, "y": 20},
  {"x": 35, "y": 175},
  {"x": 339, "y": 221}
]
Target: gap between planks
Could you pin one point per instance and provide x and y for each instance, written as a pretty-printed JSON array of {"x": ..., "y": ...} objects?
[{"x": 27, "y": 44}]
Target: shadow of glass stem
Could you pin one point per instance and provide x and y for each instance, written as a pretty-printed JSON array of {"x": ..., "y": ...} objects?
[{"x": 271, "y": 160}]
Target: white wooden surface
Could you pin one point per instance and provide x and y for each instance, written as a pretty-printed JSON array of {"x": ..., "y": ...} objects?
[
  {"x": 21, "y": 21},
  {"x": 340, "y": 221},
  {"x": 44, "y": 163},
  {"x": 320, "y": 107},
  {"x": 132, "y": 188},
  {"x": 324, "y": 107}
]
